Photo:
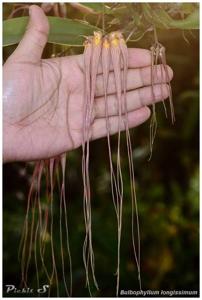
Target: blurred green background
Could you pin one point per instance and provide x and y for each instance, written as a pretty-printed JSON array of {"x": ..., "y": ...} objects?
[{"x": 167, "y": 186}]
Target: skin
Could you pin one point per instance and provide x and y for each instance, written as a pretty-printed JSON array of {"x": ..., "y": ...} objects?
[{"x": 43, "y": 99}]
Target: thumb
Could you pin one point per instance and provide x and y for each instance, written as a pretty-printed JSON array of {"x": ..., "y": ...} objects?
[{"x": 35, "y": 38}]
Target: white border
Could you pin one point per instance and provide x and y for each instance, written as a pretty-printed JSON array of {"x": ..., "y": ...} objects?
[{"x": 1, "y": 215}]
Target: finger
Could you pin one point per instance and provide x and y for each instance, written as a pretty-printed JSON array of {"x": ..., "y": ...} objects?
[
  {"x": 35, "y": 38},
  {"x": 135, "y": 118},
  {"x": 135, "y": 100},
  {"x": 136, "y": 78},
  {"x": 137, "y": 58}
]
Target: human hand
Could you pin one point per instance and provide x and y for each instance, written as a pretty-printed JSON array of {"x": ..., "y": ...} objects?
[{"x": 43, "y": 99}]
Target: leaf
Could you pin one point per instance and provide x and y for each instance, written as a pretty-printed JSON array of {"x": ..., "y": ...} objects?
[
  {"x": 62, "y": 31},
  {"x": 161, "y": 19},
  {"x": 147, "y": 12},
  {"x": 190, "y": 22},
  {"x": 157, "y": 17},
  {"x": 137, "y": 19},
  {"x": 187, "y": 8}
]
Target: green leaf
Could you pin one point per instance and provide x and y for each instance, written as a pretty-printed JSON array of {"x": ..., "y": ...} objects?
[
  {"x": 62, "y": 31},
  {"x": 147, "y": 12},
  {"x": 161, "y": 19},
  {"x": 187, "y": 8},
  {"x": 137, "y": 19},
  {"x": 190, "y": 22}
]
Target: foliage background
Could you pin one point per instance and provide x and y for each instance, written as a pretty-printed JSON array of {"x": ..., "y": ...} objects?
[{"x": 167, "y": 186}]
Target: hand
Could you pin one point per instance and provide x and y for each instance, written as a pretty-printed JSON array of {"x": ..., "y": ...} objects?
[{"x": 43, "y": 99}]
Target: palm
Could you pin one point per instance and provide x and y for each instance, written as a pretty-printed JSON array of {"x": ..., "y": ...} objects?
[{"x": 50, "y": 109}]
